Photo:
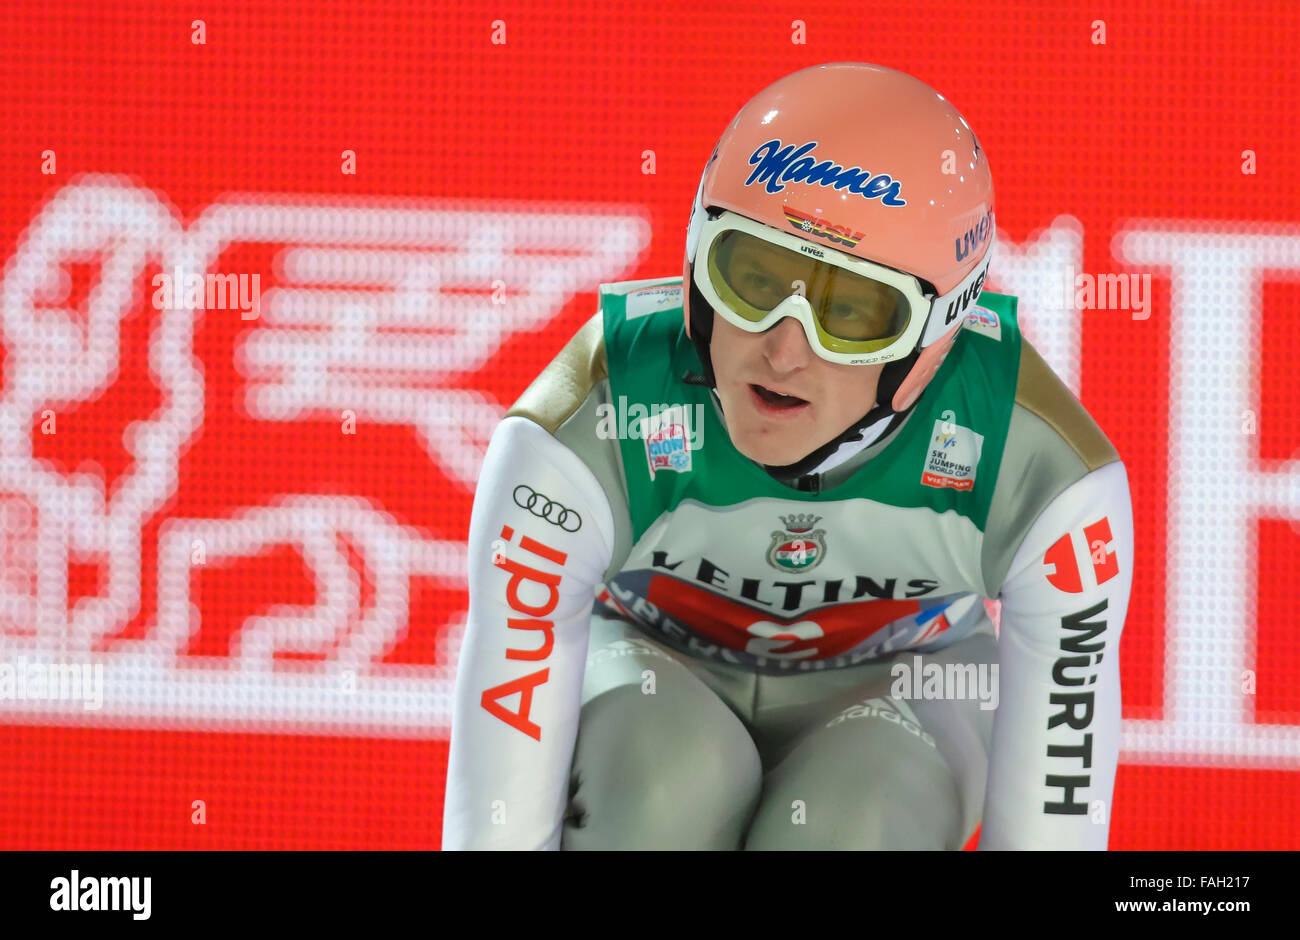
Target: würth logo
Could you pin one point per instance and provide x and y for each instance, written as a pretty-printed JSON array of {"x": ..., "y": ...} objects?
[{"x": 1066, "y": 574}]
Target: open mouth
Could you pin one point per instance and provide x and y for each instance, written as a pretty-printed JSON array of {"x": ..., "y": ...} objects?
[{"x": 776, "y": 399}]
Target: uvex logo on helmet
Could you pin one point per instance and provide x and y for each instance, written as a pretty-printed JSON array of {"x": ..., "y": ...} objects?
[
  {"x": 778, "y": 165},
  {"x": 974, "y": 236}
]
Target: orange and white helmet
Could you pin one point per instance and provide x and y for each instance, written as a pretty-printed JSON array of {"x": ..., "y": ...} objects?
[{"x": 855, "y": 199}]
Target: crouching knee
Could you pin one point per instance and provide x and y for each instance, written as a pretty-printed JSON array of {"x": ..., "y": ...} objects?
[
  {"x": 907, "y": 803},
  {"x": 671, "y": 770}
]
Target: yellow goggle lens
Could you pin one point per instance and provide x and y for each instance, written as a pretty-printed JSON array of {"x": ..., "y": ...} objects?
[{"x": 855, "y": 313}]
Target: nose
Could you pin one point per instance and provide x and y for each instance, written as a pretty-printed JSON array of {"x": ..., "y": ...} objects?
[{"x": 785, "y": 347}]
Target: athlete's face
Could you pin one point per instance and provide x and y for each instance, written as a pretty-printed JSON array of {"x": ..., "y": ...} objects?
[{"x": 781, "y": 400}]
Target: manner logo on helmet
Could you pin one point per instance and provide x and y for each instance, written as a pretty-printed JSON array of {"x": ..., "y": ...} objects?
[
  {"x": 796, "y": 548},
  {"x": 667, "y": 436},
  {"x": 546, "y": 508},
  {"x": 778, "y": 165},
  {"x": 814, "y": 225},
  {"x": 954, "y": 455}
]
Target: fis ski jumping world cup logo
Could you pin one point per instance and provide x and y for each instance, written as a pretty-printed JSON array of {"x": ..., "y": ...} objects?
[
  {"x": 954, "y": 455},
  {"x": 796, "y": 548}
]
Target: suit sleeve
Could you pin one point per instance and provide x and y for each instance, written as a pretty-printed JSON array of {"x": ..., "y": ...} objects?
[
  {"x": 1056, "y": 733},
  {"x": 540, "y": 541}
]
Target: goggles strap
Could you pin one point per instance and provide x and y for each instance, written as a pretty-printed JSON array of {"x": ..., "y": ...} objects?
[
  {"x": 952, "y": 306},
  {"x": 701, "y": 333}
]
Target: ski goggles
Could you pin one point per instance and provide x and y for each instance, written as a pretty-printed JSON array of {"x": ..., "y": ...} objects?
[{"x": 853, "y": 311}]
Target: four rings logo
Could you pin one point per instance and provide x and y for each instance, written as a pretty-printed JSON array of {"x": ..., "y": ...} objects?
[{"x": 546, "y": 508}]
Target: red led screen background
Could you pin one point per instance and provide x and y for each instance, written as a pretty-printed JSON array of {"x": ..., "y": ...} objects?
[{"x": 254, "y": 519}]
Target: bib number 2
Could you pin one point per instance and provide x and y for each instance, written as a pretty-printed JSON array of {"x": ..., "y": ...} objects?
[{"x": 774, "y": 639}]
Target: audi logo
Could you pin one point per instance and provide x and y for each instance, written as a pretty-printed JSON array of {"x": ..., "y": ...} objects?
[{"x": 546, "y": 508}]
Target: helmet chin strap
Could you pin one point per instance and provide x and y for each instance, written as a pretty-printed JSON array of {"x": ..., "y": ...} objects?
[
  {"x": 891, "y": 377},
  {"x": 701, "y": 336}
]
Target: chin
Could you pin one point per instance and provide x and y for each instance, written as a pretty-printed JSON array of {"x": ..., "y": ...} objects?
[
  {"x": 765, "y": 441},
  {"x": 772, "y": 453}
]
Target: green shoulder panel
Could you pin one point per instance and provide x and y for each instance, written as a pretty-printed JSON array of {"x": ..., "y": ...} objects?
[{"x": 675, "y": 447}]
